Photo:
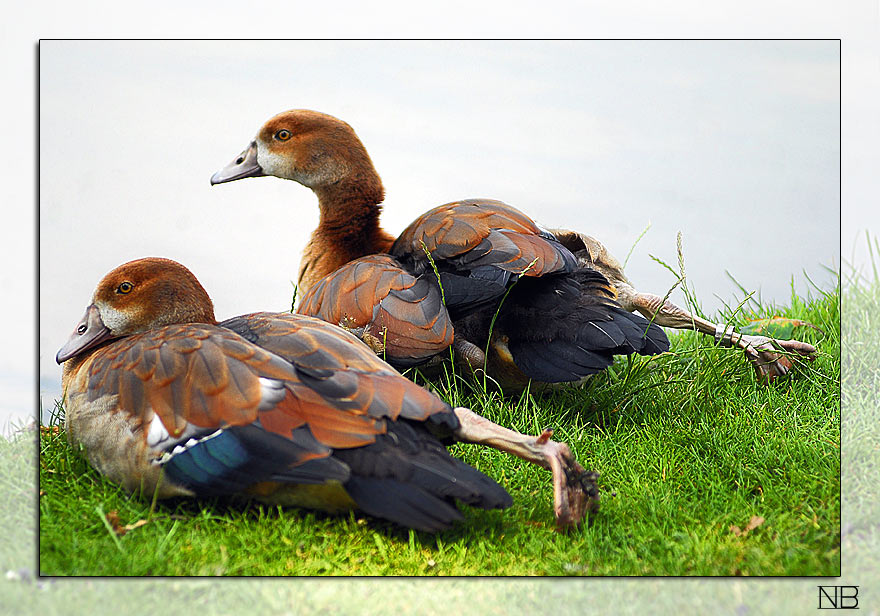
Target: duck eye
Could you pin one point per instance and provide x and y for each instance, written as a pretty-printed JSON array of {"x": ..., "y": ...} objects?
[
  {"x": 282, "y": 135},
  {"x": 124, "y": 288}
]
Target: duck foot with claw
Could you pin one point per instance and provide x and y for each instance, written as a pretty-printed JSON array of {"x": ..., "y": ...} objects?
[
  {"x": 770, "y": 357},
  {"x": 575, "y": 492}
]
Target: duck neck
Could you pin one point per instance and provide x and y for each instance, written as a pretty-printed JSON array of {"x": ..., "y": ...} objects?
[
  {"x": 348, "y": 228},
  {"x": 349, "y": 222}
]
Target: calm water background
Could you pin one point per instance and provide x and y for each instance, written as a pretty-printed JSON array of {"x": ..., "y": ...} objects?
[{"x": 733, "y": 143}]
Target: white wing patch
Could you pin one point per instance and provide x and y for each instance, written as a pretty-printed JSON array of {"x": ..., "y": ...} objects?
[
  {"x": 157, "y": 432},
  {"x": 271, "y": 393},
  {"x": 178, "y": 449},
  {"x": 159, "y": 438}
]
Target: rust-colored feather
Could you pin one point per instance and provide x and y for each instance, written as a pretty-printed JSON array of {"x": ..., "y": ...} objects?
[
  {"x": 209, "y": 376},
  {"x": 337, "y": 429},
  {"x": 537, "y": 256},
  {"x": 283, "y": 418},
  {"x": 454, "y": 228},
  {"x": 374, "y": 297},
  {"x": 369, "y": 385},
  {"x": 481, "y": 232}
]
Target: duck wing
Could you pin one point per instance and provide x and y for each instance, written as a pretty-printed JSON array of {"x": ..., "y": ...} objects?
[
  {"x": 560, "y": 320},
  {"x": 401, "y": 316},
  {"x": 563, "y": 328},
  {"x": 478, "y": 247},
  {"x": 406, "y": 474},
  {"x": 278, "y": 399}
]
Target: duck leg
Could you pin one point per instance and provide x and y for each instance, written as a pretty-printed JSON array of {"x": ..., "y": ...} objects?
[
  {"x": 574, "y": 489},
  {"x": 470, "y": 353},
  {"x": 770, "y": 357}
]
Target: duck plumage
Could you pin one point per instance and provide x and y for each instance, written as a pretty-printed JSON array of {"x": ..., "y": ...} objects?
[
  {"x": 475, "y": 252},
  {"x": 399, "y": 315},
  {"x": 282, "y": 407},
  {"x": 264, "y": 401}
]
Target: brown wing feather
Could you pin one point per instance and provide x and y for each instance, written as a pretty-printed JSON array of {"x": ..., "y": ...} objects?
[
  {"x": 518, "y": 253},
  {"x": 194, "y": 373},
  {"x": 481, "y": 232},
  {"x": 306, "y": 341},
  {"x": 368, "y": 386},
  {"x": 335, "y": 429},
  {"x": 208, "y": 376},
  {"x": 374, "y": 296},
  {"x": 454, "y": 228}
]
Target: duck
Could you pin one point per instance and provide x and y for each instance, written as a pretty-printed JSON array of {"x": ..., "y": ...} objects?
[
  {"x": 473, "y": 276},
  {"x": 564, "y": 318},
  {"x": 283, "y": 408}
]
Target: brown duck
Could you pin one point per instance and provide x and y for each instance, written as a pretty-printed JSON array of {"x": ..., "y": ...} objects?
[
  {"x": 284, "y": 408},
  {"x": 476, "y": 275}
]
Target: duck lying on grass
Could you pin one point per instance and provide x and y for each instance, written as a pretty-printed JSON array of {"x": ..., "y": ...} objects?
[
  {"x": 284, "y": 408},
  {"x": 459, "y": 272},
  {"x": 441, "y": 282}
]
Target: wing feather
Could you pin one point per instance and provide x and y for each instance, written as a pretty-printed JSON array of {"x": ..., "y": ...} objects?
[
  {"x": 367, "y": 386},
  {"x": 290, "y": 400},
  {"x": 397, "y": 314},
  {"x": 476, "y": 232},
  {"x": 330, "y": 383}
]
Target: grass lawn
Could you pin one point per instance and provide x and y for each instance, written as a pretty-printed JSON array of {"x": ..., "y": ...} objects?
[{"x": 690, "y": 448}]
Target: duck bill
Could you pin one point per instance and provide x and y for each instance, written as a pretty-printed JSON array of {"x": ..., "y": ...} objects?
[
  {"x": 89, "y": 333},
  {"x": 245, "y": 165}
]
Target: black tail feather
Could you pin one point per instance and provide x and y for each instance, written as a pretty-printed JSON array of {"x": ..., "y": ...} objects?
[
  {"x": 558, "y": 361},
  {"x": 563, "y": 328},
  {"x": 402, "y": 503},
  {"x": 465, "y": 294},
  {"x": 408, "y": 477}
]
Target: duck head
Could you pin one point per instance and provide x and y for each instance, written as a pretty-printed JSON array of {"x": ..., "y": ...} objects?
[
  {"x": 136, "y": 297},
  {"x": 312, "y": 148}
]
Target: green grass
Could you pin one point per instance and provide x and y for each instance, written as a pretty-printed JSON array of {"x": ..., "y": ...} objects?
[{"x": 688, "y": 445}]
